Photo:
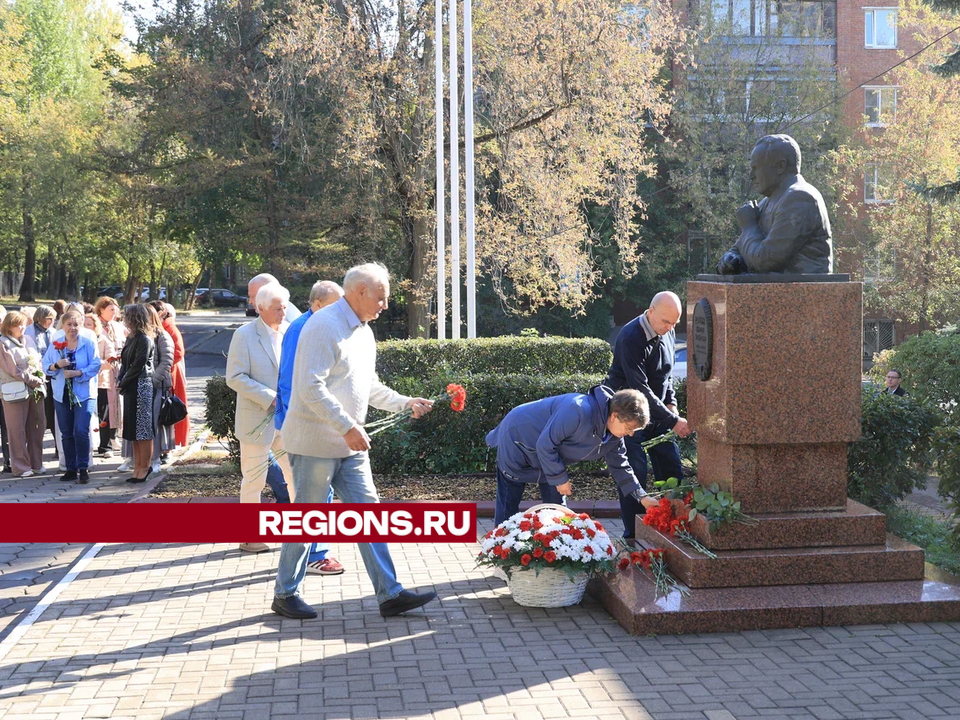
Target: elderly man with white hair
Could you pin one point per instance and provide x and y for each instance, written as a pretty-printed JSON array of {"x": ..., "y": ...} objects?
[
  {"x": 334, "y": 382},
  {"x": 258, "y": 281},
  {"x": 253, "y": 364}
]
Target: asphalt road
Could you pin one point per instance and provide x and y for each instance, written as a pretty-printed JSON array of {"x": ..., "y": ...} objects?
[{"x": 207, "y": 337}]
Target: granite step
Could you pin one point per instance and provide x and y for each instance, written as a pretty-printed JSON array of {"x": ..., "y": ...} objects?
[
  {"x": 857, "y": 525},
  {"x": 893, "y": 560},
  {"x": 629, "y": 597}
]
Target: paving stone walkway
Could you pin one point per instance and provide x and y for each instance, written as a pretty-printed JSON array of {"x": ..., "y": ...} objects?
[{"x": 185, "y": 631}]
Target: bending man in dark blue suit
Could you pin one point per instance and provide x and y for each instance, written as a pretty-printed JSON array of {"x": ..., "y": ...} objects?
[
  {"x": 536, "y": 442},
  {"x": 643, "y": 356}
]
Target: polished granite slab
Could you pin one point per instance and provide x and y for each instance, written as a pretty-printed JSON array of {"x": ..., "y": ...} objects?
[
  {"x": 629, "y": 597},
  {"x": 856, "y": 525},
  {"x": 896, "y": 559}
]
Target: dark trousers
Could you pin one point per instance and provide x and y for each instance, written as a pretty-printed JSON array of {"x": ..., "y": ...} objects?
[
  {"x": 107, "y": 433},
  {"x": 510, "y": 493},
  {"x": 3, "y": 441},
  {"x": 665, "y": 459}
]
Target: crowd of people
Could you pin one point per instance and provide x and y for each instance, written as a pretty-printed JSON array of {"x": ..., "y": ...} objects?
[{"x": 96, "y": 377}]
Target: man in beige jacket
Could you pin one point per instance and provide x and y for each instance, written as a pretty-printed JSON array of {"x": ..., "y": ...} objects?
[{"x": 253, "y": 364}]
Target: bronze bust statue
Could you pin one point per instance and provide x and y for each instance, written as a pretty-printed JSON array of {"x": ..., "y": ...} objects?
[{"x": 788, "y": 231}]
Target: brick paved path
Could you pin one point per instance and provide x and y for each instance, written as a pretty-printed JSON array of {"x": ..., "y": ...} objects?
[{"x": 184, "y": 631}]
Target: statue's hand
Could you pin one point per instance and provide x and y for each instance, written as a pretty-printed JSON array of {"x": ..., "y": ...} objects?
[
  {"x": 732, "y": 263},
  {"x": 748, "y": 214}
]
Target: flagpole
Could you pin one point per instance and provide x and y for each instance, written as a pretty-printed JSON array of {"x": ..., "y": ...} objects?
[
  {"x": 469, "y": 190},
  {"x": 454, "y": 176},
  {"x": 440, "y": 191}
]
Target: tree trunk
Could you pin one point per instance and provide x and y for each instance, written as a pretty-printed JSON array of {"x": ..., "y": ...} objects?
[
  {"x": 29, "y": 259},
  {"x": 418, "y": 300}
]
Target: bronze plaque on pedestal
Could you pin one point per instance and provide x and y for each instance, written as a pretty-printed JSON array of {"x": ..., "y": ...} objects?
[{"x": 703, "y": 339}]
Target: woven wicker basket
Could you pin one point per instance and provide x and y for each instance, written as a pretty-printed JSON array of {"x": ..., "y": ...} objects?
[{"x": 549, "y": 587}]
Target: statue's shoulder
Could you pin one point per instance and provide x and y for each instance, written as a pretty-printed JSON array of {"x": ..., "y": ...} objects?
[{"x": 801, "y": 192}]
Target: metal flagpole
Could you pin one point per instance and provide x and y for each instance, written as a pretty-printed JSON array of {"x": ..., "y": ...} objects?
[
  {"x": 454, "y": 177},
  {"x": 441, "y": 189},
  {"x": 468, "y": 169}
]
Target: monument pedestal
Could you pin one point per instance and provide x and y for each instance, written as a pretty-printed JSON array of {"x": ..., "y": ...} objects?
[{"x": 773, "y": 392}]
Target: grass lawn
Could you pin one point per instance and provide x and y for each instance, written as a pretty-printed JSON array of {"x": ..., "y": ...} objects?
[{"x": 929, "y": 533}]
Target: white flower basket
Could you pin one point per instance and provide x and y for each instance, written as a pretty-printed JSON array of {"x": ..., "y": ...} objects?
[{"x": 550, "y": 588}]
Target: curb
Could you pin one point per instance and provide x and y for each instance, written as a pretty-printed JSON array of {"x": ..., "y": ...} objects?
[{"x": 150, "y": 486}]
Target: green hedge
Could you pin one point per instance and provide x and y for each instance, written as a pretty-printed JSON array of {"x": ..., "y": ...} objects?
[
  {"x": 500, "y": 355},
  {"x": 895, "y": 452},
  {"x": 221, "y": 413},
  {"x": 447, "y": 442}
]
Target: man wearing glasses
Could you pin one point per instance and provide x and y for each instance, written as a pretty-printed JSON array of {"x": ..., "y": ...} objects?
[{"x": 893, "y": 383}]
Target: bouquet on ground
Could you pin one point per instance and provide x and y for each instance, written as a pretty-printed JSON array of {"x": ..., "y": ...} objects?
[
  {"x": 549, "y": 538},
  {"x": 651, "y": 563},
  {"x": 65, "y": 353},
  {"x": 35, "y": 368},
  {"x": 455, "y": 393}
]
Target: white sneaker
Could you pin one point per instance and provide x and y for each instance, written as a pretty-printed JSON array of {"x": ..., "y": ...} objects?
[
  {"x": 115, "y": 445},
  {"x": 28, "y": 473},
  {"x": 125, "y": 466},
  {"x": 155, "y": 467}
]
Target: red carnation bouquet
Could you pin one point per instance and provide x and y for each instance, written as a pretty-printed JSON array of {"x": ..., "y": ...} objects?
[
  {"x": 61, "y": 346},
  {"x": 455, "y": 393}
]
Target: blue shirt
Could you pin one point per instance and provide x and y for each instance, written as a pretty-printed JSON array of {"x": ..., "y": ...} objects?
[
  {"x": 88, "y": 363},
  {"x": 288, "y": 353}
]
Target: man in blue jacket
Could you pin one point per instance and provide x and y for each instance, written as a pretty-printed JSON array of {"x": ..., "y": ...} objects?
[
  {"x": 537, "y": 441},
  {"x": 643, "y": 357},
  {"x": 323, "y": 293}
]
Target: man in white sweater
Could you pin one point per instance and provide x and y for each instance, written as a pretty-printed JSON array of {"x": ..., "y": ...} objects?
[{"x": 334, "y": 382}]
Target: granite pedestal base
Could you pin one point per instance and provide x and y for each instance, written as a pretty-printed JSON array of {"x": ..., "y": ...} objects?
[{"x": 629, "y": 597}]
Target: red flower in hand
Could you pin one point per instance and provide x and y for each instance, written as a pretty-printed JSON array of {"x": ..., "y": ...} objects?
[
  {"x": 59, "y": 344},
  {"x": 458, "y": 397}
]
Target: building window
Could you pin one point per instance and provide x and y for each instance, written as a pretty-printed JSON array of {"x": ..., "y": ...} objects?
[
  {"x": 880, "y": 105},
  {"x": 880, "y": 27},
  {"x": 877, "y": 184},
  {"x": 783, "y": 18},
  {"x": 877, "y": 336}
]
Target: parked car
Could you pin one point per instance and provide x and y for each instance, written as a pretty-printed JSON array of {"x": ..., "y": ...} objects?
[
  {"x": 251, "y": 310},
  {"x": 144, "y": 294},
  {"x": 109, "y": 290},
  {"x": 679, "y": 369},
  {"x": 221, "y": 297},
  {"x": 200, "y": 291}
]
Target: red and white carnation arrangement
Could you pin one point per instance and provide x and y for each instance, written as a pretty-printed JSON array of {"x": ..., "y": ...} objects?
[{"x": 550, "y": 537}]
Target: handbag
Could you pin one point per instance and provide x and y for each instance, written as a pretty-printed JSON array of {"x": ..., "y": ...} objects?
[
  {"x": 14, "y": 391},
  {"x": 172, "y": 410}
]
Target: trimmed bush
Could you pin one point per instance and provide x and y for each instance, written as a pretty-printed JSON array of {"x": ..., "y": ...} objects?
[
  {"x": 895, "y": 453},
  {"x": 445, "y": 442},
  {"x": 221, "y": 413},
  {"x": 500, "y": 355}
]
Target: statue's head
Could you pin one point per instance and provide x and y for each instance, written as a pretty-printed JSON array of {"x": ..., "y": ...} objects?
[{"x": 774, "y": 158}]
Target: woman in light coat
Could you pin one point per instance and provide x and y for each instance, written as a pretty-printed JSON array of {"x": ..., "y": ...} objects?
[
  {"x": 25, "y": 417},
  {"x": 110, "y": 407}
]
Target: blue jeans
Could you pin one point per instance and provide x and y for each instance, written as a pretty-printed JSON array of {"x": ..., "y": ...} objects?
[
  {"x": 510, "y": 493},
  {"x": 313, "y": 478},
  {"x": 74, "y": 425},
  {"x": 318, "y": 551},
  {"x": 665, "y": 459}
]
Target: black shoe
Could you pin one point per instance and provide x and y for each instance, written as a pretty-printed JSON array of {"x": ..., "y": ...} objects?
[
  {"x": 293, "y": 607},
  {"x": 84, "y": 477},
  {"x": 164, "y": 458},
  {"x": 405, "y": 601},
  {"x": 69, "y": 476},
  {"x": 134, "y": 479}
]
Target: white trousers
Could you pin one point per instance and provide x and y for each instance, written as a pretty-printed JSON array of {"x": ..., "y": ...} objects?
[{"x": 254, "y": 462}]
